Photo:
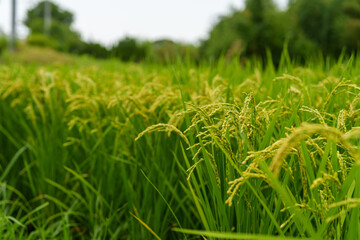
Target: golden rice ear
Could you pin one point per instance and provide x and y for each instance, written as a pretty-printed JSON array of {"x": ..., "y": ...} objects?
[
  {"x": 343, "y": 84},
  {"x": 341, "y": 121},
  {"x": 314, "y": 112},
  {"x": 305, "y": 131},
  {"x": 162, "y": 127}
]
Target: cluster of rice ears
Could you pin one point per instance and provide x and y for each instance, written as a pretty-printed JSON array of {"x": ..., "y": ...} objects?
[
  {"x": 249, "y": 151},
  {"x": 296, "y": 163}
]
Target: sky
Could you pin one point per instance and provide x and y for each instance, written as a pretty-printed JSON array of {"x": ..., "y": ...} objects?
[{"x": 108, "y": 21}]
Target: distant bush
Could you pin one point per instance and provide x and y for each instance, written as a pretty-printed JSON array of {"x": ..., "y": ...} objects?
[
  {"x": 40, "y": 40},
  {"x": 169, "y": 51},
  {"x": 130, "y": 49},
  {"x": 160, "y": 51},
  {"x": 94, "y": 49}
]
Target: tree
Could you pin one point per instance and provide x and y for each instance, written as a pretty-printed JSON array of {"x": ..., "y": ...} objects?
[
  {"x": 229, "y": 29},
  {"x": 349, "y": 25},
  {"x": 331, "y": 24},
  {"x": 267, "y": 29},
  {"x": 59, "y": 15},
  {"x": 307, "y": 27},
  {"x": 94, "y": 49},
  {"x": 260, "y": 26},
  {"x": 60, "y": 34},
  {"x": 129, "y": 49}
]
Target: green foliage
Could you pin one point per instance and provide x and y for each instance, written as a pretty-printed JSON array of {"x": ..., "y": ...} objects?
[
  {"x": 60, "y": 35},
  {"x": 307, "y": 27},
  {"x": 317, "y": 19},
  {"x": 160, "y": 51},
  {"x": 331, "y": 25},
  {"x": 3, "y": 43},
  {"x": 167, "y": 51},
  {"x": 59, "y": 15},
  {"x": 260, "y": 26},
  {"x": 129, "y": 49},
  {"x": 225, "y": 34},
  {"x": 349, "y": 24},
  {"x": 40, "y": 40},
  {"x": 94, "y": 49}
]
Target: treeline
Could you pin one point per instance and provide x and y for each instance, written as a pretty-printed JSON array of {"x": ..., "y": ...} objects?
[
  {"x": 305, "y": 28},
  {"x": 127, "y": 49},
  {"x": 60, "y": 36}
]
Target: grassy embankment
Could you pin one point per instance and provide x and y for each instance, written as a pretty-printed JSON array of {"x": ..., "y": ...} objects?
[{"x": 124, "y": 151}]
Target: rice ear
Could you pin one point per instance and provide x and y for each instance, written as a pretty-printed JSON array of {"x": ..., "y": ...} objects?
[{"x": 305, "y": 131}]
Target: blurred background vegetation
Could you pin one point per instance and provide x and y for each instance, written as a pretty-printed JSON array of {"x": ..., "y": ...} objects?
[{"x": 306, "y": 28}]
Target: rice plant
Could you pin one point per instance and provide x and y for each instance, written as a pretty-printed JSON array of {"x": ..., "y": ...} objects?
[{"x": 108, "y": 150}]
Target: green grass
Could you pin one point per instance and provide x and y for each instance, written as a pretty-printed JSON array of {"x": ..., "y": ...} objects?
[{"x": 108, "y": 150}]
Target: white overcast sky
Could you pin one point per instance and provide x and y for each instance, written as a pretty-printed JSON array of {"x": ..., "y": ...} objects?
[{"x": 107, "y": 21}]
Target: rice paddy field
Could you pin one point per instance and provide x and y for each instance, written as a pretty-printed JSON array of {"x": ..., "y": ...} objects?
[{"x": 225, "y": 150}]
